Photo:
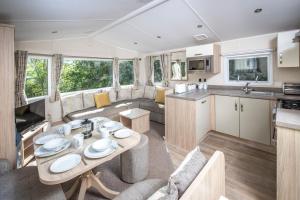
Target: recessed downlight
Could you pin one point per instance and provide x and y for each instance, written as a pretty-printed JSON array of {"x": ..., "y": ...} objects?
[
  {"x": 54, "y": 32},
  {"x": 158, "y": 37},
  {"x": 258, "y": 10},
  {"x": 199, "y": 26},
  {"x": 135, "y": 43}
]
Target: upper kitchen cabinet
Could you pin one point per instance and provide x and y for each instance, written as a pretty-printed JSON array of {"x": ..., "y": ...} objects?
[
  {"x": 287, "y": 51},
  {"x": 206, "y": 56}
]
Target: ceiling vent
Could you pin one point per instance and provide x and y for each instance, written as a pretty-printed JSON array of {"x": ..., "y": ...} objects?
[{"x": 200, "y": 37}]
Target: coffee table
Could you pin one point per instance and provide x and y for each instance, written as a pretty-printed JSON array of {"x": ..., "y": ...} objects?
[{"x": 136, "y": 119}]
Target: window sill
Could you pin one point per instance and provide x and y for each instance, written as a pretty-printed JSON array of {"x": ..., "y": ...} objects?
[
  {"x": 81, "y": 91},
  {"x": 34, "y": 99}
]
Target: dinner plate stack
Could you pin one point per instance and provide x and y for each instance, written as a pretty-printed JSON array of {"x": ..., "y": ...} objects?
[
  {"x": 51, "y": 145},
  {"x": 100, "y": 148}
]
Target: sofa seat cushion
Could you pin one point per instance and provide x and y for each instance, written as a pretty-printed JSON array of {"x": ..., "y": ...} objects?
[
  {"x": 107, "y": 111},
  {"x": 152, "y": 106},
  {"x": 25, "y": 184},
  {"x": 141, "y": 190}
]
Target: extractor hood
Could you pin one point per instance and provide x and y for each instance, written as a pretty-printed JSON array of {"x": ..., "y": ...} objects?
[{"x": 297, "y": 37}]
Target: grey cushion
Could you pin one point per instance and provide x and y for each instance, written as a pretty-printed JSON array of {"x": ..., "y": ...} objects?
[
  {"x": 24, "y": 184},
  {"x": 141, "y": 190},
  {"x": 188, "y": 170},
  {"x": 4, "y": 166},
  {"x": 135, "y": 162}
]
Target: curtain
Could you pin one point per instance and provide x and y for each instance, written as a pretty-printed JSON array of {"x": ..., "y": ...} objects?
[
  {"x": 116, "y": 73},
  {"x": 20, "y": 65},
  {"x": 57, "y": 64},
  {"x": 164, "y": 64},
  {"x": 149, "y": 70},
  {"x": 136, "y": 72}
]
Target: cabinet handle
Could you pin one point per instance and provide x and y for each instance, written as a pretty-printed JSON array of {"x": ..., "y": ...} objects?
[
  {"x": 280, "y": 58},
  {"x": 203, "y": 101},
  {"x": 198, "y": 54},
  {"x": 242, "y": 107},
  {"x": 235, "y": 106}
]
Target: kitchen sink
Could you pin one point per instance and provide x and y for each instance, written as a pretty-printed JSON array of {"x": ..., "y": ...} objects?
[{"x": 261, "y": 93}]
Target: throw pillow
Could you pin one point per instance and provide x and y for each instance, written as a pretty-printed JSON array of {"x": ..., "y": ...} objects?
[
  {"x": 168, "y": 192},
  {"x": 149, "y": 92},
  {"x": 160, "y": 96},
  {"x": 102, "y": 99},
  {"x": 71, "y": 103},
  {"x": 185, "y": 174},
  {"x": 112, "y": 94},
  {"x": 88, "y": 99},
  {"x": 124, "y": 94}
]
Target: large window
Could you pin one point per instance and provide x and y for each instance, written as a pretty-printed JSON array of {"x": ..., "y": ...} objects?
[
  {"x": 126, "y": 74},
  {"x": 36, "y": 81},
  {"x": 157, "y": 70},
  {"x": 252, "y": 68},
  {"x": 83, "y": 74}
]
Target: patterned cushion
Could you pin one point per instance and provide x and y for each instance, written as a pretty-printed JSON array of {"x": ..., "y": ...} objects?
[
  {"x": 149, "y": 92},
  {"x": 88, "y": 99},
  {"x": 72, "y": 103},
  {"x": 124, "y": 94}
]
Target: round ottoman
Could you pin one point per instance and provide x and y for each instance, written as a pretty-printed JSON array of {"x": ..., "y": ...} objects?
[{"x": 135, "y": 162}]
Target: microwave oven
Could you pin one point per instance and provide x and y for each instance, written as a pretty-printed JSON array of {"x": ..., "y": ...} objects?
[{"x": 201, "y": 63}]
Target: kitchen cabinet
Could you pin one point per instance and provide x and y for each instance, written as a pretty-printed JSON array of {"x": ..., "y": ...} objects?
[
  {"x": 255, "y": 122},
  {"x": 203, "y": 117},
  {"x": 227, "y": 115},
  {"x": 287, "y": 51}
]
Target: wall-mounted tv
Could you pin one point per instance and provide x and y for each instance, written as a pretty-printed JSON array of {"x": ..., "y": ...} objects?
[{"x": 30, "y": 115}]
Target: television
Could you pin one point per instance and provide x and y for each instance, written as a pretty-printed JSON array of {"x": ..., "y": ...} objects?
[{"x": 29, "y": 115}]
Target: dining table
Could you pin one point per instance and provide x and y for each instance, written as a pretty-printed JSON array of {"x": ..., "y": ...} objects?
[{"x": 86, "y": 178}]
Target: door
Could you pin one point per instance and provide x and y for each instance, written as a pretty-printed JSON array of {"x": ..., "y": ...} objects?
[
  {"x": 255, "y": 122},
  {"x": 203, "y": 117},
  {"x": 227, "y": 115}
]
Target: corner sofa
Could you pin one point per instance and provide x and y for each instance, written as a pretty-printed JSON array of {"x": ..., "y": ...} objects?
[{"x": 82, "y": 105}]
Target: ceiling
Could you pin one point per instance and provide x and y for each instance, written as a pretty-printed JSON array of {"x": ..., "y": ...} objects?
[{"x": 136, "y": 24}]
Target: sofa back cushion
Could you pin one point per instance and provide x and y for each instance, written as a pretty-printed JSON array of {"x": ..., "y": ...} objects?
[
  {"x": 88, "y": 99},
  {"x": 149, "y": 92},
  {"x": 112, "y": 94},
  {"x": 138, "y": 93},
  {"x": 124, "y": 94},
  {"x": 71, "y": 103}
]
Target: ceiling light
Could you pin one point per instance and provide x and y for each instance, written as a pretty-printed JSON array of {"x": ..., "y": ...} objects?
[
  {"x": 258, "y": 10},
  {"x": 200, "y": 37},
  {"x": 158, "y": 37},
  {"x": 199, "y": 26},
  {"x": 54, "y": 32},
  {"x": 135, "y": 43}
]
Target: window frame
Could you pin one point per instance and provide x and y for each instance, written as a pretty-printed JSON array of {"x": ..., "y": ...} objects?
[
  {"x": 269, "y": 56},
  {"x": 49, "y": 58},
  {"x": 155, "y": 58},
  {"x": 92, "y": 89},
  {"x": 120, "y": 60}
]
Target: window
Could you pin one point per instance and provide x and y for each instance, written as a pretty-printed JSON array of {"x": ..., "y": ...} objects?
[
  {"x": 83, "y": 74},
  {"x": 126, "y": 76},
  {"x": 157, "y": 70},
  {"x": 36, "y": 80},
  {"x": 252, "y": 68}
]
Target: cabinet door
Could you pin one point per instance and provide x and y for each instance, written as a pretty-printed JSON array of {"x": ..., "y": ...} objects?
[
  {"x": 203, "y": 117},
  {"x": 288, "y": 51},
  {"x": 227, "y": 115},
  {"x": 202, "y": 50},
  {"x": 255, "y": 122}
]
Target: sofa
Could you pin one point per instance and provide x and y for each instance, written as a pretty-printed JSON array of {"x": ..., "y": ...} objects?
[{"x": 82, "y": 105}]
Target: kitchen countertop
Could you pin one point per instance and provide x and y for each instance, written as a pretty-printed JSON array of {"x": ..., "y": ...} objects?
[
  {"x": 195, "y": 95},
  {"x": 288, "y": 118}
]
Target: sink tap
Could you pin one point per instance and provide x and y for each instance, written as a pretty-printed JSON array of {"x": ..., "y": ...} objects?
[{"x": 246, "y": 89}]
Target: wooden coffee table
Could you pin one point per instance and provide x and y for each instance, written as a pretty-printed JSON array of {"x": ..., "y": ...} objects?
[{"x": 136, "y": 119}]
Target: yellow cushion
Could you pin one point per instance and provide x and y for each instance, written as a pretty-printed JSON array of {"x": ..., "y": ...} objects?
[
  {"x": 102, "y": 99},
  {"x": 160, "y": 96}
]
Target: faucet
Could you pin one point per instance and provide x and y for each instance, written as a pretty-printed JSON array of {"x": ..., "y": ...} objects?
[{"x": 246, "y": 89}]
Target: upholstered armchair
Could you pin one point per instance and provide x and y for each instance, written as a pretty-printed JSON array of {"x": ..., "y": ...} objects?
[{"x": 24, "y": 184}]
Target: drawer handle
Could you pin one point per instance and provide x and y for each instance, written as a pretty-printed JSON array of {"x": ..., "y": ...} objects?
[{"x": 203, "y": 101}]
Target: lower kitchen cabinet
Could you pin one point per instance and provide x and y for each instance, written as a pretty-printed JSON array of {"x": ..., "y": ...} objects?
[
  {"x": 227, "y": 115},
  {"x": 255, "y": 122}
]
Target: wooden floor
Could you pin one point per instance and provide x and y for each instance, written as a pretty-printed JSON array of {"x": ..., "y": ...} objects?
[{"x": 250, "y": 173}]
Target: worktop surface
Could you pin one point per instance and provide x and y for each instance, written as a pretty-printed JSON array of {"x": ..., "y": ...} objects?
[{"x": 288, "y": 118}]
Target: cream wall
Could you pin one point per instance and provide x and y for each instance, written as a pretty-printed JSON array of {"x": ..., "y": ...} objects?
[
  {"x": 73, "y": 47},
  {"x": 243, "y": 45}
]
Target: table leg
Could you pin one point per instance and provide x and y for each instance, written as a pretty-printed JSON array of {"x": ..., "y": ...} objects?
[
  {"x": 84, "y": 186},
  {"x": 73, "y": 188}
]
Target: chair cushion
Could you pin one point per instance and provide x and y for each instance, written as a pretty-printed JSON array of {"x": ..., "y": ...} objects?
[
  {"x": 149, "y": 92},
  {"x": 102, "y": 99},
  {"x": 88, "y": 99},
  {"x": 25, "y": 184},
  {"x": 187, "y": 171},
  {"x": 141, "y": 190},
  {"x": 71, "y": 103}
]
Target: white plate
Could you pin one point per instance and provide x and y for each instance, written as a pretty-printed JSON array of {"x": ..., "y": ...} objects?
[
  {"x": 89, "y": 152},
  {"x": 75, "y": 124},
  {"x": 113, "y": 126},
  {"x": 41, "y": 152},
  {"x": 123, "y": 133},
  {"x": 54, "y": 144},
  {"x": 47, "y": 137},
  {"x": 65, "y": 163},
  {"x": 102, "y": 144}
]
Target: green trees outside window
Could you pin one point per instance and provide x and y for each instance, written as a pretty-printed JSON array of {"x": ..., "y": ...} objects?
[
  {"x": 126, "y": 74},
  {"x": 85, "y": 74},
  {"x": 36, "y": 81},
  {"x": 157, "y": 72}
]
